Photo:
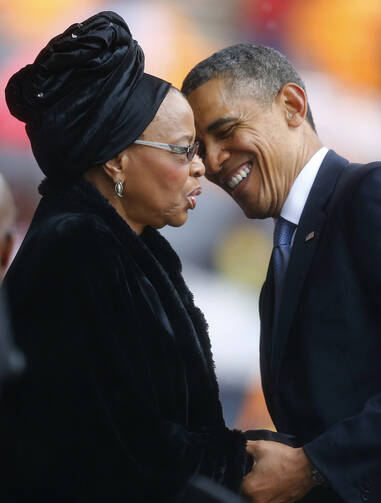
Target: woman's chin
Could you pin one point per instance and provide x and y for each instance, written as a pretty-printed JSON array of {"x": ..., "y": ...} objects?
[
  {"x": 178, "y": 220},
  {"x": 173, "y": 220}
]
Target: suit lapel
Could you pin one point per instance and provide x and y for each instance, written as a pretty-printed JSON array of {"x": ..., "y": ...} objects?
[
  {"x": 266, "y": 302},
  {"x": 306, "y": 241},
  {"x": 266, "y": 311}
]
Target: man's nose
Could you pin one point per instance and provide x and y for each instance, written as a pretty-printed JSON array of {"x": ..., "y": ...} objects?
[{"x": 213, "y": 160}]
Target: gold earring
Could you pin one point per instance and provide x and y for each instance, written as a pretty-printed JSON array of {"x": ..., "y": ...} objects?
[{"x": 119, "y": 189}]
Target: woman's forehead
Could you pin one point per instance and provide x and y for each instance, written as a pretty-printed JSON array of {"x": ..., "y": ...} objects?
[{"x": 174, "y": 118}]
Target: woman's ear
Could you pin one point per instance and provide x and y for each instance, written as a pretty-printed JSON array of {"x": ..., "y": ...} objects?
[
  {"x": 113, "y": 170},
  {"x": 294, "y": 101}
]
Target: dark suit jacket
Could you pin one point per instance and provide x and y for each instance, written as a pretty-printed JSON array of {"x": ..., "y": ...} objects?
[{"x": 320, "y": 364}]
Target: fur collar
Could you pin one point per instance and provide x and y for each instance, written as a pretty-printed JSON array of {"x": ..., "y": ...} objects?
[{"x": 82, "y": 196}]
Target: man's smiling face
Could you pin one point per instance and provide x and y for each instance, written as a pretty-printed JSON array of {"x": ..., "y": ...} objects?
[{"x": 247, "y": 147}]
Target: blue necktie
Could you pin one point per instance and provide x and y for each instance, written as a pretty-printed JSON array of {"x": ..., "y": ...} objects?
[{"x": 283, "y": 233}]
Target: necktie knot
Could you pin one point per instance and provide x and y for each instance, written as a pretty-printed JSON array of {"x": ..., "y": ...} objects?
[{"x": 283, "y": 232}]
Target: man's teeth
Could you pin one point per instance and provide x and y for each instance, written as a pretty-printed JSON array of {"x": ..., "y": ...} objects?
[{"x": 238, "y": 177}]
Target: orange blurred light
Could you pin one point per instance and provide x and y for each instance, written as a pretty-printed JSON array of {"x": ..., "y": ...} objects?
[
  {"x": 254, "y": 413},
  {"x": 38, "y": 19},
  {"x": 343, "y": 38}
]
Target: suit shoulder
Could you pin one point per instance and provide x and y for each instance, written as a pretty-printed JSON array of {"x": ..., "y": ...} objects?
[
  {"x": 357, "y": 195},
  {"x": 360, "y": 201},
  {"x": 366, "y": 181},
  {"x": 357, "y": 179}
]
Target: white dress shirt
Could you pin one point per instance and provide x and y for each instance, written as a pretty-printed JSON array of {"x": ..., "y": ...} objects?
[{"x": 297, "y": 197}]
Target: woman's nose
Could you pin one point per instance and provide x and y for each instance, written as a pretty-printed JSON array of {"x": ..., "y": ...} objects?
[{"x": 197, "y": 166}]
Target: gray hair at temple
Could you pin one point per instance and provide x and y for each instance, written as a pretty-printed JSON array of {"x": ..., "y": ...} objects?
[{"x": 261, "y": 70}]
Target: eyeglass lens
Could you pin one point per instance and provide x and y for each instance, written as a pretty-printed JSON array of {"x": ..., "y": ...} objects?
[{"x": 192, "y": 151}]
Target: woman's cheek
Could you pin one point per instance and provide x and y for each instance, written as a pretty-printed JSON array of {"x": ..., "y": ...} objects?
[{"x": 176, "y": 175}]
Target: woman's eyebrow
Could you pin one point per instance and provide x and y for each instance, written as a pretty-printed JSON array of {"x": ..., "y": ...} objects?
[
  {"x": 185, "y": 137},
  {"x": 220, "y": 122}
]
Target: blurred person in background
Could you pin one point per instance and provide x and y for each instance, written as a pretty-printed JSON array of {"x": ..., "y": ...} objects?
[
  {"x": 7, "y": 224},
  {"x": 320, "y": 304},
  {"x": 11, "y": 360},
  {"x": 119, "y": 400}
]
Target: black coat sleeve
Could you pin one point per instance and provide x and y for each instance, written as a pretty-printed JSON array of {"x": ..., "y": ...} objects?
[
  {"x": 349, "y": 453},
  {"x": 85, "y": 410}
]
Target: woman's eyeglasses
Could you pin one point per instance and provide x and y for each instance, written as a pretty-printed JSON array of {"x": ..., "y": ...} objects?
[{"x": 190, "y": 151}]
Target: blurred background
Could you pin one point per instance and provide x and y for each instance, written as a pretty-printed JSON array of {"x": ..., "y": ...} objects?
[{"x": 336, "y": 46}]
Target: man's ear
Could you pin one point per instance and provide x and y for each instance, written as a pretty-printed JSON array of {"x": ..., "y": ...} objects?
[{"x": 294, "y": 103}]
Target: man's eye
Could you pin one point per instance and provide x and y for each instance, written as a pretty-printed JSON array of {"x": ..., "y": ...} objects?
[{"x": 226, "y": 132}]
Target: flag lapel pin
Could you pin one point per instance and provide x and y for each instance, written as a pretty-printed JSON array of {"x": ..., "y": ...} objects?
[{"x": 309, "y": 236}]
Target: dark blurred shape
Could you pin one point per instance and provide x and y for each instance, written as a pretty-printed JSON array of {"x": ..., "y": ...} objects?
[
  {"x": 204, "y": 490},
  {"x": 11, "y": 359}
]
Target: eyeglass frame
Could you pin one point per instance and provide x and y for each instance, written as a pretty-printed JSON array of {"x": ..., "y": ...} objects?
[{"x": 190, "y": 150}]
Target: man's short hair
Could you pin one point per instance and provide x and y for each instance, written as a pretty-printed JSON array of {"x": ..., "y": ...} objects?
[{"x": 263, "y": 69}]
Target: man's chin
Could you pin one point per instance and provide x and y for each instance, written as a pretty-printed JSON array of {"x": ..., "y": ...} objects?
[{"x": 252, "y": 211}]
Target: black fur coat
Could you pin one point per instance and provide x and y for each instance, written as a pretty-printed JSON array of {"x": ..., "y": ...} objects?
[{"x": 119, "y": 399}]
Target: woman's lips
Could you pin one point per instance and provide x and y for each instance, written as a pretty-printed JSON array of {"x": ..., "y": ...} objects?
[{"x": 192, "y": 197}]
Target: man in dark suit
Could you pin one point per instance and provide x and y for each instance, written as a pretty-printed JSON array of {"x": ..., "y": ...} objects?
[{"x": 320, "y": 305}]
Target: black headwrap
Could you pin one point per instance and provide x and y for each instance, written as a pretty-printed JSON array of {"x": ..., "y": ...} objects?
[{"x": 86, "y": 97}]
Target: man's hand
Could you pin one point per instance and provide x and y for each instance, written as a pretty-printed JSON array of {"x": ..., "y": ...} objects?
[{"x": 280, "y": 474}]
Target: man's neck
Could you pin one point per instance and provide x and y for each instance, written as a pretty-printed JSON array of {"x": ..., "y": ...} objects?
[
  {"x": 293, "y": 206},
  {"x": 311, "y": 145}
]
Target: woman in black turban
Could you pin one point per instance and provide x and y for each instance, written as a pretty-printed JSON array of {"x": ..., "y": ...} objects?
[{"x": 119, "y": 400}]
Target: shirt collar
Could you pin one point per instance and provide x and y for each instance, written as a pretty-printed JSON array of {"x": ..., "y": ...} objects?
[{"x": 297, "y": 197}]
